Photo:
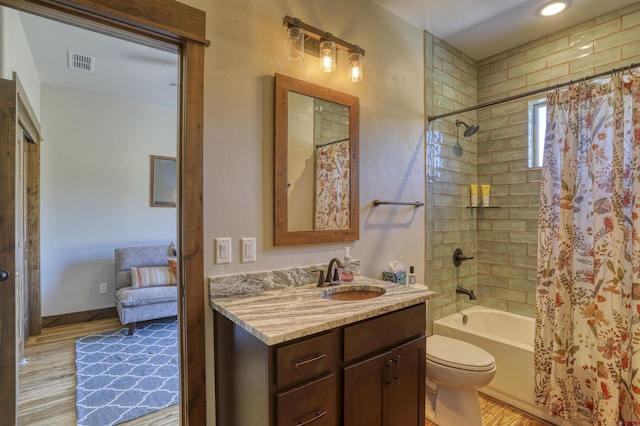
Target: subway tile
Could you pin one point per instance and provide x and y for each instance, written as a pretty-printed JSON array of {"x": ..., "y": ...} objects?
[
  {"x": 631, "y": 50},
  {"x": 523, "y": 237},
  {"x": 526, "y": 286},
  {"x": 547, "y": 74},
  {"x": 510, "y": 248},
  {"x": 528, "y": 67},
  {"x": 493, "y": 235},
  {"x": 443, "y": 77},
  {"x": 520, "y": 141},
  {"x": 508, "y": 178},
  {"x": 589, "y": 61},
  {"x": 511, "y": 154},
  {"x": 443, "y": 54},
  {"x": 508, "y": 108},
  {"x": 497, "y": 281},
  {"x": 570, "y": 54},
  {"x": 510, "y": 225},
  {"x": 509, "y": 271},
  {"x": 491, "y": 302},
  {"x": 508, "y": 62},
  {"x": 523, "y": 261},
  {"x": 509, "y": 85},
  {"x": 529, "y": 188},
  {"x": 494, "y": 144},
  {"x": 493, "y": 169},
  {"x": 511, "y": 201},
  {"x": 521, "y": 309},
  {"x": 631, "y": 20},
  {"x": 524, "y": 213},
  {"x": 493, "y": 78},
  {"x": 547, "y": 48},
  {"x": 590, "y": 34},
  {"x": 509, "y": 295},
  {"x": 450, "y": 70}
]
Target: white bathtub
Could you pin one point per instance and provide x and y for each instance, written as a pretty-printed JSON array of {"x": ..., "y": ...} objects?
[{"x": 509, "y": 338}]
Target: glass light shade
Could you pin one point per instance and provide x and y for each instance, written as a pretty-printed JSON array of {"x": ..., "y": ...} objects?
[
  {"x": 328, "y": 56},
  {"x": 355, "y": 67},
  {"x": 295, "y": 44}
]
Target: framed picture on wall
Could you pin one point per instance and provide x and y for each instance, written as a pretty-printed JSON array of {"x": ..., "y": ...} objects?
[{"x": 163, "y": 181}]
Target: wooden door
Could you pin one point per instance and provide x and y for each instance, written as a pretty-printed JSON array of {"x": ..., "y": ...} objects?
[
  {"x": 408, "y": 363},
  {"x": 8, "y": 323},
  {"x": 364, "y": 391}
]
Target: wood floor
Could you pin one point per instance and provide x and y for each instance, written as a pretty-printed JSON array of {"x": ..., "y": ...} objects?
[
  {"x": 495, "y": 413},
  {"x": 48, "y": 379},
  {"x": 47, "y": 384}
]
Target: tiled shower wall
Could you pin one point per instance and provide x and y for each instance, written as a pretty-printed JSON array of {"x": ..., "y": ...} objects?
[
  {"x": 504, "y": 240},
  {"x": 507, "y": 237},
  {"x": 451, "y": 166}
]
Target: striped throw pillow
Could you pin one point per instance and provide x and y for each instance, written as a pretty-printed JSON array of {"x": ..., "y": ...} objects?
[{"x": 150, "y": 276}]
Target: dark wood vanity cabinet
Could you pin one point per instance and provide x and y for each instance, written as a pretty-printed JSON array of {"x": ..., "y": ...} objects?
[{"x": 363, "y": 374}]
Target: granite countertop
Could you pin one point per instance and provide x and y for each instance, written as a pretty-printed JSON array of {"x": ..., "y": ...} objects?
[{"x": 277, "y": 316}]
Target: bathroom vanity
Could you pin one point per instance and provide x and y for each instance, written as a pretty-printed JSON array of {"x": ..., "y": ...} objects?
[{"x": 292, "y": 357}]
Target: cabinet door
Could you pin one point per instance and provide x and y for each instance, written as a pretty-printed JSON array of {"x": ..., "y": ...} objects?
[
  {"x": 364, "y": 391},
  {"x": 406, "y": 395}
]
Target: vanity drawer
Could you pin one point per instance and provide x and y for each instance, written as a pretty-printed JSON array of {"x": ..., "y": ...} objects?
[
  {"x": 312, "y": 404},
  {"x": 305, "y": 359},
  {"x": 384, "y": 332}
]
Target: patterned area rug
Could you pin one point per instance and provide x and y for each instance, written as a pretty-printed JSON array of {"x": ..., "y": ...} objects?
[{"x": 121, "y": 377}]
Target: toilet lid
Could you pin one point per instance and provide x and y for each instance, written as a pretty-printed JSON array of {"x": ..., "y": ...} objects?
[{"x": 458, "y": 354}]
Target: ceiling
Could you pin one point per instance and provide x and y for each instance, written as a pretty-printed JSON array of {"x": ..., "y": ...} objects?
[
  {"x": 478, "y": 28},
  {"x": 482, "y": 28},
  {"x": 122, "y": 68}
]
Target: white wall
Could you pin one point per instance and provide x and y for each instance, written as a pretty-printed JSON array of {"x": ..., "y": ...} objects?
[
  {"x": 15, "y": 56},
  {"x": 95, "y": 191},
  {"x": 247, "y": 47}
]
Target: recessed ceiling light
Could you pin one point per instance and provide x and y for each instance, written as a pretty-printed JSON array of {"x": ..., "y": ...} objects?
[{"x": 552, "y": 8}]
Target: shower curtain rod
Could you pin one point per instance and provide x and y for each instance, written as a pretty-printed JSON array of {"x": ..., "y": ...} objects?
[{"x": 532, "y": 92}]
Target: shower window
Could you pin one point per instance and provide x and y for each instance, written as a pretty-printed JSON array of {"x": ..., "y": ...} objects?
[{"x": 537, "y": 126}]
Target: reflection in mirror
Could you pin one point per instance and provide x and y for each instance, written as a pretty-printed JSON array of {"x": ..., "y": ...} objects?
[{"x": 316, "y": 167}]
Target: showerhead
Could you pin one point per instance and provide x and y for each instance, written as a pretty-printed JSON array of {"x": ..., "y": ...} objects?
[{"x": 469, "y": 130}]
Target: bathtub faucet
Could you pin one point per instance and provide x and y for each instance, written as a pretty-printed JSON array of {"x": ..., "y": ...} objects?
[{"x": 460, "y": 290}]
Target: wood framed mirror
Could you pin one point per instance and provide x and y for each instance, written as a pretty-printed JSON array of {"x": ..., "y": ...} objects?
[{"x": 316, "y": 180}]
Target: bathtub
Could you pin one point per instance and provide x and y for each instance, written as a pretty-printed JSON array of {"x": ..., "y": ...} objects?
[{"x": 509, "y": 338}]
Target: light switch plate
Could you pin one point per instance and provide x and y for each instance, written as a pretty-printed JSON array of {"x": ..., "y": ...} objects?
[
  {"x": 223, "y": 250},
  {"x": 248, "y": 247}
]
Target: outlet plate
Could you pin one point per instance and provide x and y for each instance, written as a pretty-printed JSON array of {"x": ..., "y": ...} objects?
[
  {"x": 248, "y": 247},
  {"x": 223, "y": 250},
  {"x": 103, "y": 288}
]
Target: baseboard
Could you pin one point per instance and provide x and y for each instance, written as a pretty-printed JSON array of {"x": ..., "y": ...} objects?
[{"x": 78, "y": 317}]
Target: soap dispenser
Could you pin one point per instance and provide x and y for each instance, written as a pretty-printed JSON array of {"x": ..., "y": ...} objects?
[{"x": 346, "y": 274}]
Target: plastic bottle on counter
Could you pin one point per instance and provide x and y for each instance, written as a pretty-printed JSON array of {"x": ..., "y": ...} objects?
[
  {"x": 346, "y": 274},
  {"x": 412, "y": 276}
]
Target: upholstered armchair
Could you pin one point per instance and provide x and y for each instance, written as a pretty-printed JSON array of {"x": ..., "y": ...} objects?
[{"x": 145, "y": 283}]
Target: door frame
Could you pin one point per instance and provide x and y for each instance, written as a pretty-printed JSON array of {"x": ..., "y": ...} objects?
[{"x": 176, "y": 27}]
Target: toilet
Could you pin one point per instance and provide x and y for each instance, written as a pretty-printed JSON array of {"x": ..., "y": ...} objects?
[{"x": 455, "y": 371}]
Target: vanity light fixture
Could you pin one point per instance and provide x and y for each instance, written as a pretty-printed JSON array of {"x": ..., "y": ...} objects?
[
  {"x": 553, "y": 7},
  {"x": 303, "y": 38},
  {"x": 328, "y": 54}
]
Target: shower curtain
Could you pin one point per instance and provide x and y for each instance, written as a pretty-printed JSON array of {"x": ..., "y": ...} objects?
[
  {"x": 332, "y": 186},
  {"x": 587, "y": 341}
]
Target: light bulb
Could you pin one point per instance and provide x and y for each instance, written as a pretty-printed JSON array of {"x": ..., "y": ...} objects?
[
  {"x": 295, "y": 44},
  {"x": 355, "y": 70},
  {"x": 328, "y": 56}
]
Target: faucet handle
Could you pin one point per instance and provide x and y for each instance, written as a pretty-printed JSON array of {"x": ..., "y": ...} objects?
[{"x": 321, "y": 281}]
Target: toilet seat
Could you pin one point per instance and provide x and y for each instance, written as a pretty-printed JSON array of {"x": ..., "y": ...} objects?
[{"x": 458, "y": 354}]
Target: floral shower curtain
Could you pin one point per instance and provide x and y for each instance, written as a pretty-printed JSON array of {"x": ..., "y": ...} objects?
[
  {"x": 332, "y": 186},
  {"x": 587, "y": 342}
]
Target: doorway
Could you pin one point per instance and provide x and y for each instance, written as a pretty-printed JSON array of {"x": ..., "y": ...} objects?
[{"x": 171, "y": 25}]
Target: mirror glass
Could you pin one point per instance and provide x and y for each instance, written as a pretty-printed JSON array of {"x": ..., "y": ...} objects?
[{"x": 316, "y": 164}]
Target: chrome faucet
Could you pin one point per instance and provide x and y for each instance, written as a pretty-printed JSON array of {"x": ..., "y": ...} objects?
[
  {"x": 460, "y": 290},
  {"x": 336, "y": 274}
]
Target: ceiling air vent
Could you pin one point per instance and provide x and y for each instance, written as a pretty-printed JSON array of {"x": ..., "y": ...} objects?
[{"x": 77, "y": 61}]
